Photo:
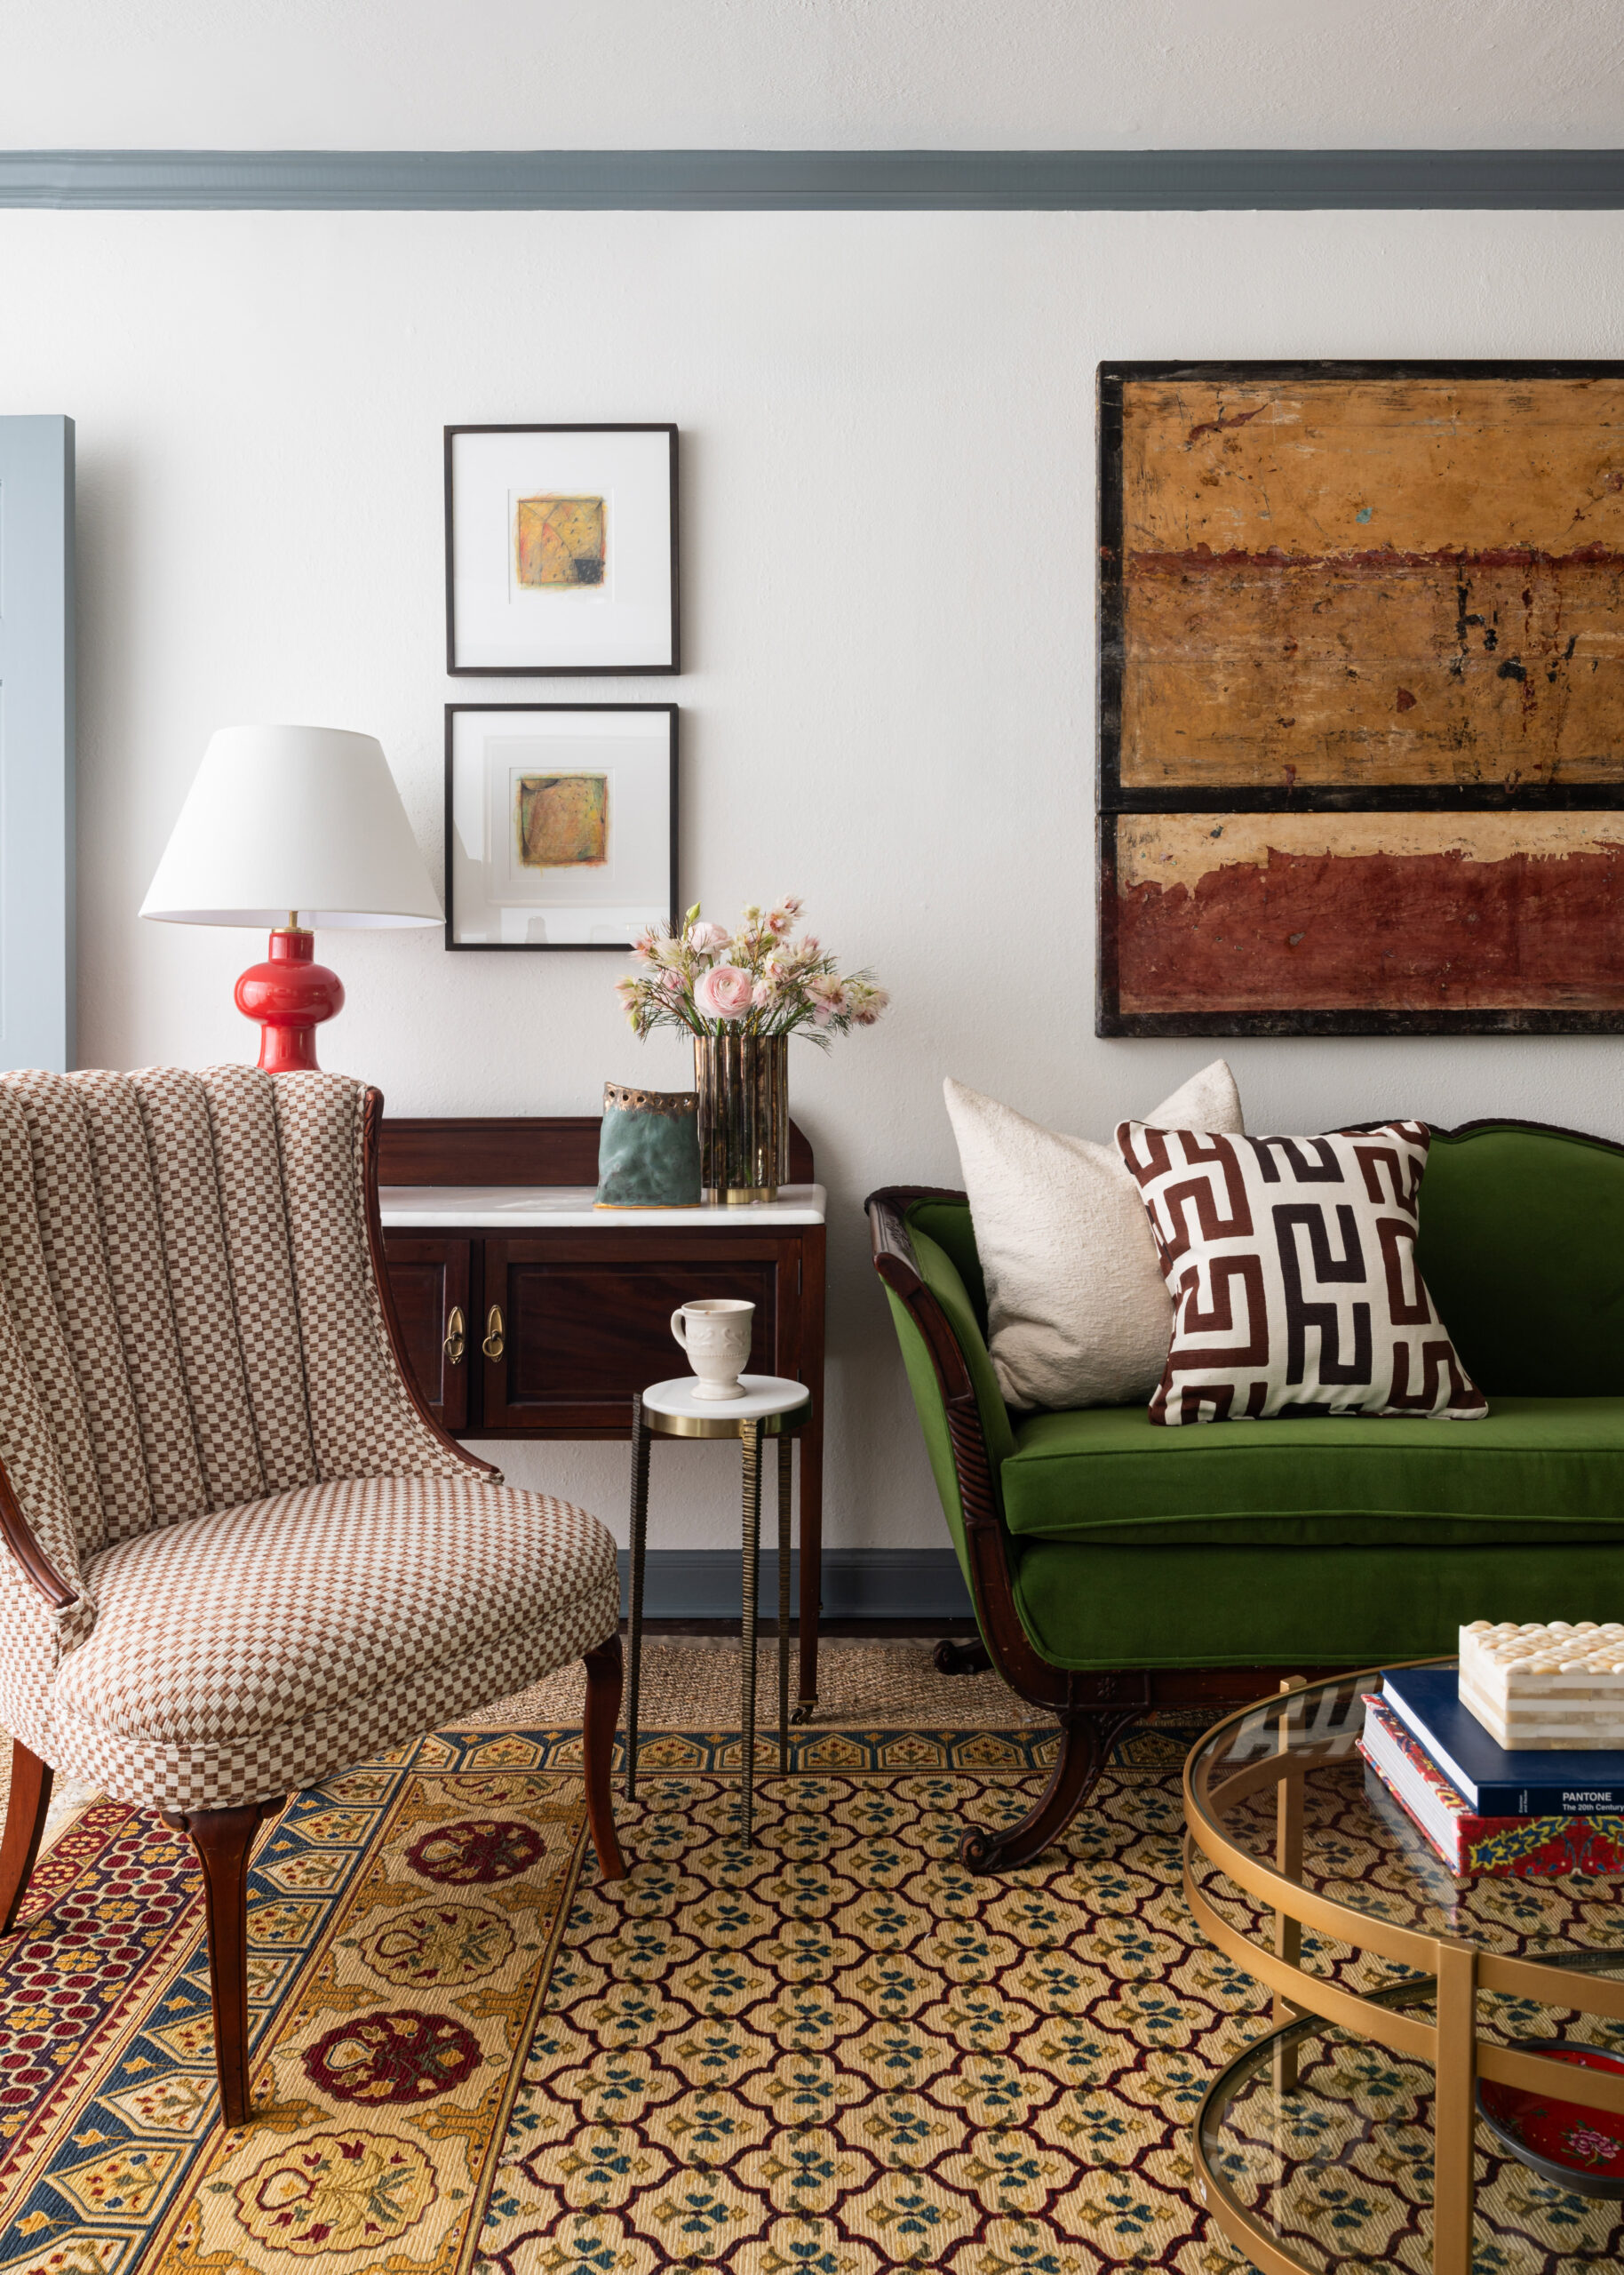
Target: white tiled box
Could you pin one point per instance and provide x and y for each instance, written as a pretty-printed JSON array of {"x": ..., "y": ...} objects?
[{"x": 1546, "y": 1686}]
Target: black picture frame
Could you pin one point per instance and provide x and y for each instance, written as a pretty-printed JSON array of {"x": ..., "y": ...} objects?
[
  {"x": 1117, "y": 802},
  {"x": 552, "y": 947},
  {"x": 454, "y": 670}
]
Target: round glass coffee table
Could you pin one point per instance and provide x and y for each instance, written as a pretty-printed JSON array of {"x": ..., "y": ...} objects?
[{"x": 1348, "y": 2138}]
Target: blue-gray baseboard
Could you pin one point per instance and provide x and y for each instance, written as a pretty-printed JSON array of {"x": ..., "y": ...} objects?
[{"x": 922, "y": 1584}]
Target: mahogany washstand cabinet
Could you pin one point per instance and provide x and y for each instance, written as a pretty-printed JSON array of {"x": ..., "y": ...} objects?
[{"x": 528, "y": 1314}]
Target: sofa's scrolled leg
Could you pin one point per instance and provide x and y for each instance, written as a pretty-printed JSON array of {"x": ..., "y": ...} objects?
[
  {"x": 25, "y": 1825},
  {"x": 970, "y": 1656},
  {"x": 1086, "y": 1740},
  {"x": 603, "y": 1682}
]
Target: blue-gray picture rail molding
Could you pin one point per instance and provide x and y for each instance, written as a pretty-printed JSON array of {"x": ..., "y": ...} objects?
[{"x": 1124, "y": 181}]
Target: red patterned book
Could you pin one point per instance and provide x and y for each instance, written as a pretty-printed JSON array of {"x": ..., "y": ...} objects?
[{"x": 1513, "y": 1848}]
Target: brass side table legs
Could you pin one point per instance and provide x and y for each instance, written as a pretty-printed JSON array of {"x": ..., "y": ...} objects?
[
  {"x": 667, "y": 1409},
  {"x": 640, "y": 1540},
  {"x": 783, "y": 1607},
  {"x": 750, "y": 1434}
]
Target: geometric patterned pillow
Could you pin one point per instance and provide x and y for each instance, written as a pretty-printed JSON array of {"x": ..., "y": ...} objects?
[{"x": 1291, "y": 1263}]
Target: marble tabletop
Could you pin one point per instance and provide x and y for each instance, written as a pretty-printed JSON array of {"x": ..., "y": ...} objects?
[
  {"x": 466, "y": 1206},
  {"x": 761, "y": 1395}
]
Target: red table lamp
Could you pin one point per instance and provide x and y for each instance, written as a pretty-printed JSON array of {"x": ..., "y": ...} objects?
[{"x": 292, "y": 828}]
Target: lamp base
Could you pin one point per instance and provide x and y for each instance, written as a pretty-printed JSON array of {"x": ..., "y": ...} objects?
[{"x": 289, "y": 995}]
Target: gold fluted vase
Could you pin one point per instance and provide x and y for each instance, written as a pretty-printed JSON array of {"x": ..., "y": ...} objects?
[{"x": 744, "y": 1086}]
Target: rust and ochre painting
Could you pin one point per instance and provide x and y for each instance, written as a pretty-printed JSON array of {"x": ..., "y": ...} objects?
[
  {"x": 561, "y": 821},
  {"x": 1362, "y": 698},
  {"x": 1370, "y": 911},
  {"x": 559, "y": 542}
]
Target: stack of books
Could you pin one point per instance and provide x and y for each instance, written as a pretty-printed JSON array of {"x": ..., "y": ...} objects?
[{"x": 1527, "y": 1813}]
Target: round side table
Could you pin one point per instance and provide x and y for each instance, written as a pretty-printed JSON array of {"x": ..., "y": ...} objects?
[{"x": 771, "y": 1406}]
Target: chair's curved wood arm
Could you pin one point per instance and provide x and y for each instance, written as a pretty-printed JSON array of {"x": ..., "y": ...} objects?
[
  {"x": 372, "y": 1115},
  {"x": 20, "y": 1538}
]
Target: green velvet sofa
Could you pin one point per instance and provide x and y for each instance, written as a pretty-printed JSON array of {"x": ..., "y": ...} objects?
[{"x": 1115, "y": 1564}]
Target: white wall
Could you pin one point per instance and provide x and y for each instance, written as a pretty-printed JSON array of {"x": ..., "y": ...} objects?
[
  {"x": 887, "y": 536},
  {"x": 820, "y": 74}
]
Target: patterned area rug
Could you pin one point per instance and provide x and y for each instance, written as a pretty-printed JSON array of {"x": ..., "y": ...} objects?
[{"x": 832, "y": 2054}]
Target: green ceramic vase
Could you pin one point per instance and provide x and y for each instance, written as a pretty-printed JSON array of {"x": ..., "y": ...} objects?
[{"x": 648, "y": 1151}]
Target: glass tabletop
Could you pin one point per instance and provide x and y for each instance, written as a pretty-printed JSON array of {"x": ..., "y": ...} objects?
[
  {"x": 1336, "y": 2172},
  {"x": 1360, "y": 1851}
]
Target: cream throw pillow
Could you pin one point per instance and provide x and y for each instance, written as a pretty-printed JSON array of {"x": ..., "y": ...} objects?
[{"x": 1078, "y": 1313}]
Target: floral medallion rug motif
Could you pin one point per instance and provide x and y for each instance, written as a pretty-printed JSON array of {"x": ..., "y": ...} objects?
[{"x": 831, "y": 2054}]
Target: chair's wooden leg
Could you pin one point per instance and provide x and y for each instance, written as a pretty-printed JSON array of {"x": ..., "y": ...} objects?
[
  {"x": 223, "y": 1840},
  {"x": 598, "y": 1746},
  {"x": 25, "y": 1825},
  {"x": 1084, "y": 1748}
]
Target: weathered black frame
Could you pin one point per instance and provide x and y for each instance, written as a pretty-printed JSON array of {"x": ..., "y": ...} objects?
[
  {"x": 1114, "y": 801},
  {"x": 554, "y": 947},
  {"x": 454, "y": 670}
]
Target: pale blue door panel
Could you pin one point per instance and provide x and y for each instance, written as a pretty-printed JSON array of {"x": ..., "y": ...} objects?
[{"x": 36, "y": 742}]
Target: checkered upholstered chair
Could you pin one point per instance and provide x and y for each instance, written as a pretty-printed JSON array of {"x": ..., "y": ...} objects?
[{"x": 242, "y": 1558}]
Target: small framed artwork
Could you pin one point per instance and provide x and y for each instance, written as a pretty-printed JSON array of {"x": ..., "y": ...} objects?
[
  {"x": 561, "y": 823},
  {"x": 560, "y": 551}
]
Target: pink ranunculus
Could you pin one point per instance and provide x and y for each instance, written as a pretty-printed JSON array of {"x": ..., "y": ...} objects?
[
  {"x": 724, "y": 992},
  {"x": 706, "y": 939}
]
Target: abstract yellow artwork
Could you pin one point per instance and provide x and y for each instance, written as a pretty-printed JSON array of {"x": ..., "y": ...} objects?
[
  {"x": 559, "y": 542},
  {"x": 1362, "y": 672},
  {"x": 561, "y": 821}
]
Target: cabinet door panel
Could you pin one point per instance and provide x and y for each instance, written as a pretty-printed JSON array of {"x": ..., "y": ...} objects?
[
  {"x": 429, "y": 1280},
  {"x": 583, "y": 1330}
]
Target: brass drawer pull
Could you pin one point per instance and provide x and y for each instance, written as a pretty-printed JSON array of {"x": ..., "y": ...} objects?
[
  {"x": 495, "y": 1342},
  {"x": 455, "y": 1338}
]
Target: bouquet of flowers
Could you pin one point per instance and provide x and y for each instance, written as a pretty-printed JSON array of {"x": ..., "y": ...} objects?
[{"x": 755, "y": 980}]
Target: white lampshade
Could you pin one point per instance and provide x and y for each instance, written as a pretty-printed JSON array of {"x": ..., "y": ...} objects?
[{"x": 293, "y": 817}]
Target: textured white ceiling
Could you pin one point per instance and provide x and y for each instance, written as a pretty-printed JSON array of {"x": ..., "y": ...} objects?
[{"x": 810, "y": 74}]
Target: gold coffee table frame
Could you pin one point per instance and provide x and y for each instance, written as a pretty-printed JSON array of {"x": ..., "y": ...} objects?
[{"x": 1451, "y": 2044}]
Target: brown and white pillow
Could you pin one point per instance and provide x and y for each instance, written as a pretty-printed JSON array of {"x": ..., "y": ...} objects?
[{"x": 1291, "y": 1263}]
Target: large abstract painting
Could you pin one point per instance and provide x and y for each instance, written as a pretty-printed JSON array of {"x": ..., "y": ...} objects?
[{"x": 1361, "y": 698}]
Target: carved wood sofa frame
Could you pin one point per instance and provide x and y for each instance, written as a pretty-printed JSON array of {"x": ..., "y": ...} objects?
[{"x": 1093, "y": 1709}]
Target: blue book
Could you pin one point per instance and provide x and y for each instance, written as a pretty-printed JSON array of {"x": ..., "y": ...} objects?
[{"x": 1493, "y": 1781}]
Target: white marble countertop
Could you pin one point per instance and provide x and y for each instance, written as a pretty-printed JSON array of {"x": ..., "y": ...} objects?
[{"x": 464, "y": 1207}]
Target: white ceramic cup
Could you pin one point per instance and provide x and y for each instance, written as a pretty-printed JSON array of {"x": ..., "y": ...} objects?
[{"x": 715, "y": 1332}]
